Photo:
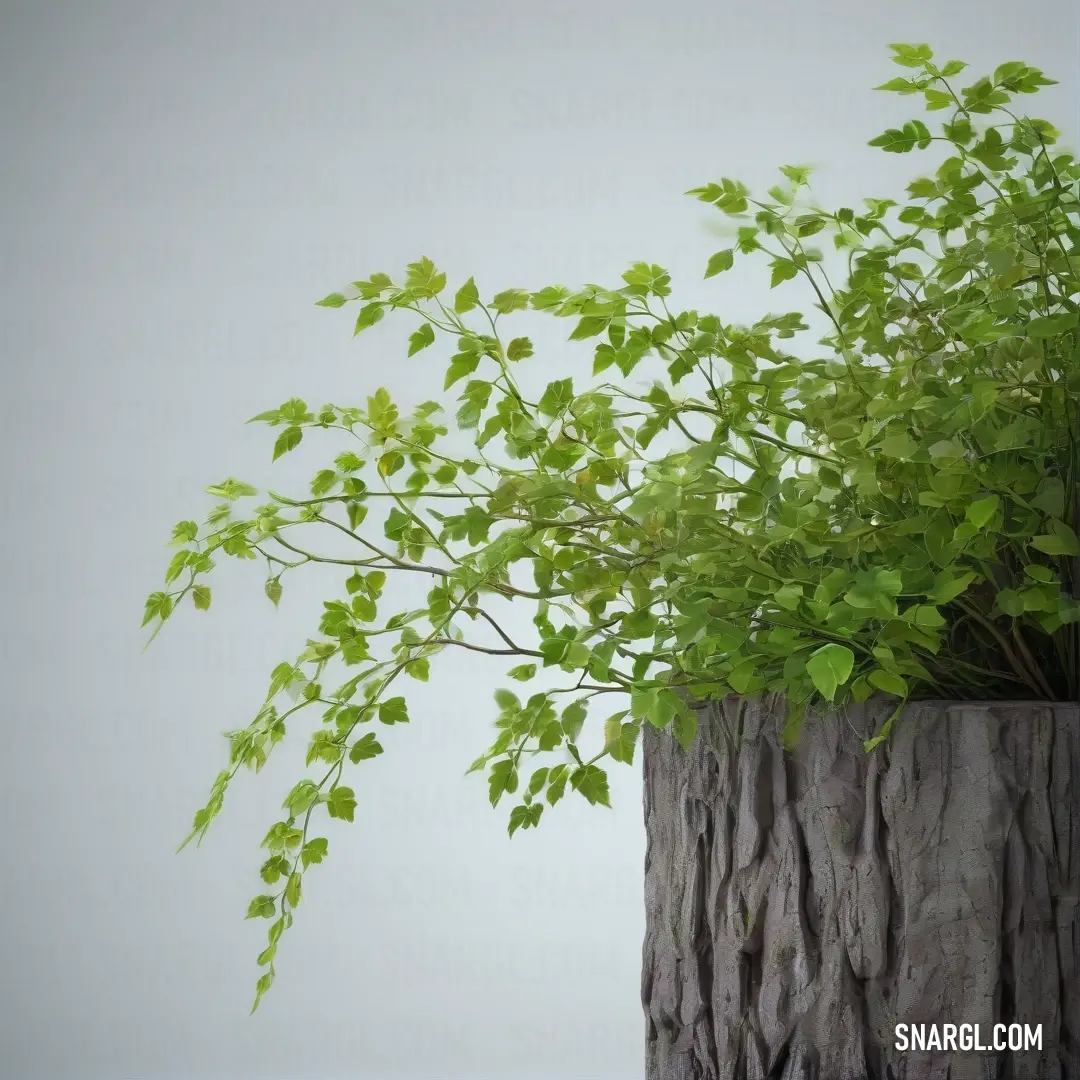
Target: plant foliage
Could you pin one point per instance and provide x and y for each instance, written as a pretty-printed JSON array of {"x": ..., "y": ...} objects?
[{"x": 892, "y": 509}]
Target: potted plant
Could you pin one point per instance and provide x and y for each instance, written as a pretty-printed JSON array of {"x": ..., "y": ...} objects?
[{"x": 831, "y": 583}]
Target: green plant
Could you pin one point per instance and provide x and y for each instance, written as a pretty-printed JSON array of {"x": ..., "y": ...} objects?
[{"x": 893, "y": 510}]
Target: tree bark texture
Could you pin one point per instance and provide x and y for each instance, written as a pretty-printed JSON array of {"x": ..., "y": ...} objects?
[{"x": 801, "y": 904}]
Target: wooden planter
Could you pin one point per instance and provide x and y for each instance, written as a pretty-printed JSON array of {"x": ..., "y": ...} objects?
[{"x": 802, "y": 904}]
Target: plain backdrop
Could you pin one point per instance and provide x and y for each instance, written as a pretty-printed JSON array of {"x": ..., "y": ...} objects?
[{"x": 179, "y": 182}]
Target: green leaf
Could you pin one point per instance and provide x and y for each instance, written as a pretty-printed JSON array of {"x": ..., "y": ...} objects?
[
  {"x": 1010, "y": 602},
  {"x": 293, "y": 888},
  {"x": 721, "y": 261},
  {"x": 200, "y": 594},
  {"x": 424, "y": 279},
  {"x": 520, "y": 348},
  {"x": 507, "y": 701},
  {"x": 1062, "y": 542},
  {"x": 503, "y": 779},
  {"x": 324, "y": 482},
  {"x": 525, "y": 817},
  {"x": 184, "y": 533},
  {"x": 573, "y": 719},
  {"x": 176, "y": 566},
  {"x": 262, "y": 907},
  {"x": 829, "y": 668},
  {"x": 885, "y": 731},
  {"x": 537, "y": 781},
  {"x": 728, "y": 195},
  {"x": 301, "y": 797},
  {"x": 981, "y": 512},
  {"x": 900, "y": 85},
  {"x": 159, "y": 605},
  {"x": 341, "y": 803},
  {"x": 369, "y": 315},
  {"x": 231, "y": 489},
  {"x": 334, "y": 300},
  {"x": 925, "y": 615},
  {"x": 274, "y": 869},
  {"x": 394, "y": 711},
  {"x": 365, "y": 748},
  {"x": 644, "y": 279},
  {"x": 421, "y": 339},
  {"x": 557, "y": 784},
  {"x": 782, "y": 270},
  {"x": 550, "y": 297},
  {"x": 314, "y": 851},
  {"x": 391, "y": 463},
  {"x": 915, "y": 56},
  {"x": 348, "y": 462},
  {"x": 948, "y": 587},
  {"x": 684, "y": 727},
  {"x": 589, "y": 326},
  {"x": 663, "y": 708},
  {"x": 467, "y": 297},
  {"x": 875, "y": 590},
  {"x": 1052, "y": 325},
  {"x": 510, "y": 300},
  {"x": 937, "y": 99},
  {"x": 460, "y": 365},
  {"x": 288, "y": 440},
  {"x": 895, "y": 141},
  {"x": 261, "y": 987},
  {"x": 356, "y": 512},
  {"x": 889, "y": 683},
  {"x": 789, "y": 596},
  {"x": 900, "y": 446},
  {"x": 620, "y": 738},
  {"x": 591, "y": 782},
  {"x": 557, "y": 397}
]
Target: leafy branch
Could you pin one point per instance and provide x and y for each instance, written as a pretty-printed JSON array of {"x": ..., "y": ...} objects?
[{"x": 887, "y": 511}]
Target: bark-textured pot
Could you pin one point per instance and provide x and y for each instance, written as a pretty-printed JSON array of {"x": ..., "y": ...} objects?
[{"x": 801, "y": 904}]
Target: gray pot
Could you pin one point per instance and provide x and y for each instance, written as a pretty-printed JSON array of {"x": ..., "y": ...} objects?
[{"x": 800, "y": 905}]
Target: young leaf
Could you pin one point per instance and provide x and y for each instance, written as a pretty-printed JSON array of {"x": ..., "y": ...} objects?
[
  {"x": 314, "y": 851},
  {"x": 721, "y": 261},
  {"x": 520, "y": 348},
  {"x": 421, "y": 339},
  {"x": 467, "y": 297},
  {"x": 830, "y": 667},
  {"x": 288, "y": 440},
  {"x": 341, "y": 803},
  {"x": 591, "y": 781},
  {"x": 369, "y": 315}
]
